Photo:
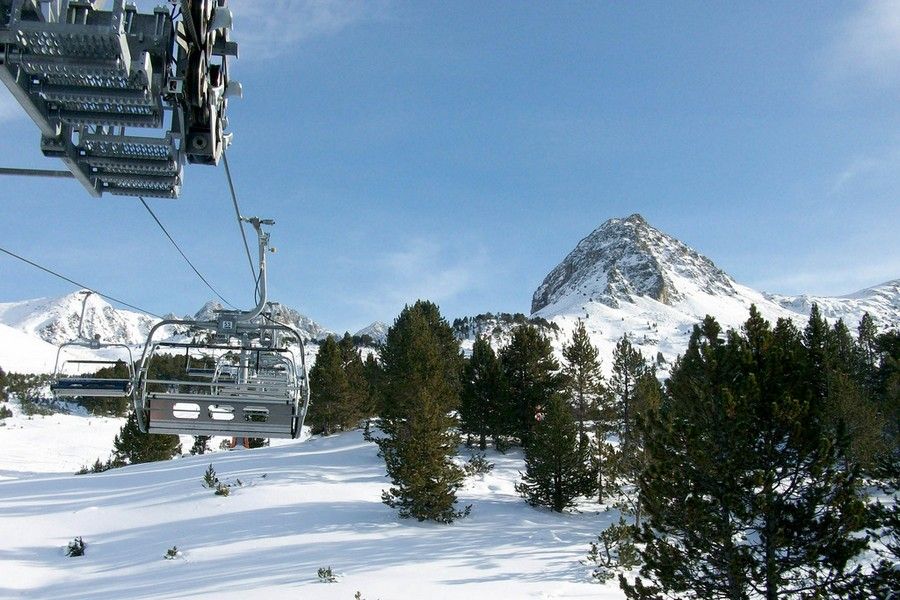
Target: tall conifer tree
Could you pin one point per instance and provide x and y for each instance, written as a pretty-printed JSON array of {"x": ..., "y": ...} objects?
[
  {"x": 531, "y": 374},
  {"x": 420, "y": 388},
  {"x": 583, "y": 377},
  {"x": 556, "y": 463},
  {"x": 482, "y": 390}
]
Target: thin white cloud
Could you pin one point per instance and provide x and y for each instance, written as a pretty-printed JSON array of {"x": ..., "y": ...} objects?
[
  {"x": 273, "y": 27},
  {"x": 878, "y": 168},
  {"x": 423, "y": 270},
  {"x": 868, "y": 46}
]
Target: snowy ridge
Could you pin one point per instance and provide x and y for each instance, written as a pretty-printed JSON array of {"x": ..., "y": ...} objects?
[
  {"x": 55, "y": 320},
  {"x": 882, "y": 302}
]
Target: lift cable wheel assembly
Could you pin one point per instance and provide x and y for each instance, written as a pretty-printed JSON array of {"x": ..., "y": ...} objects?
[
  {"x": 74, "y": 385},
  {"x": 249, "y": 383},
  {"x": 84, "y": 75}
]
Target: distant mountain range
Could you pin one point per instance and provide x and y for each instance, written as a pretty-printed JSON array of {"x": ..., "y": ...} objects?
[{"x": 625, "y": 277}]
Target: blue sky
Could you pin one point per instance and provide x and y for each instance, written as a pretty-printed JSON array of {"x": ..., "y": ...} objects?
[{"x": 458, "y": 151}]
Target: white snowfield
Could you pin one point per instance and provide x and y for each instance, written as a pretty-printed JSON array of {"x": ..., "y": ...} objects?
[{"x": 300, "y": 506}]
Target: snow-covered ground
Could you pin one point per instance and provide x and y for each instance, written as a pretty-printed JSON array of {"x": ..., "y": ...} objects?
[{"x": 301, "y": 506}]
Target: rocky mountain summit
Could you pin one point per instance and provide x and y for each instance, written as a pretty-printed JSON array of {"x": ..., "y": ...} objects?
[
  {"x": 624, "y": 258},
  {"x": 628, "y": 278}
]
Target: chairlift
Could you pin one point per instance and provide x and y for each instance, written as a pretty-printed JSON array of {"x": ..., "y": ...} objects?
[
  {"x": 257, "y": 388},
  {"x": 69, "y": 379}
]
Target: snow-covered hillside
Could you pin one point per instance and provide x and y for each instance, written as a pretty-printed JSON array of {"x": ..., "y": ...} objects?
[
  {"x": 628, "y": 277},
  {"x": 298, "y": 507}
]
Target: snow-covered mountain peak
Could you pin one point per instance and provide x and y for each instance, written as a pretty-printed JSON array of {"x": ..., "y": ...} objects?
[
  {"x": 377, "y": 331},
  {"x": 627, "y": 258},
  {"x": 56, "y": 320}
]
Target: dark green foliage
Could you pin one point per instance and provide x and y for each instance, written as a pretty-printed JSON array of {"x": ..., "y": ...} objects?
[
  {"x": 747, "y": 492},
  {"x": 482, "y": 394},
  {"x": 76, "y": 547},
  {"x": 201, "y": 444},
  {"x": 5, "y": 412},
  {"x": 328, "y": 389},
  {"x": 628, "y": 367},
  {"x": 326, "y": 575},
  {"x": 478, "y": 464},
  {"x": 172, "y": 553},
  {"x": 209, "y": 477},
  {"x": 488, "y": 323},
  {"x": 531, "y": 374},
  {"x": 4, "y": 396},
  {"x": 420, "y": 387},
  {"x": 634, "y": 391},
  {"x": 98, "y": 467},
  {"x": 557, "y": 469},
  {"x": 338, "y": 388},
  {"x": 27, "y": 389},
  {"x": 132, "y": 447},
  {"x": 114, "y": 407},
  {"x": 372, "y": 372},
  {"x": 632, "y": 458},
  {"x": 584, "y": 386},
  {"x": 614, "y": 551}
]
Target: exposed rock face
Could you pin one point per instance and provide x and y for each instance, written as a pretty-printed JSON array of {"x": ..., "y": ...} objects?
[{"x": 624, "y": 258}]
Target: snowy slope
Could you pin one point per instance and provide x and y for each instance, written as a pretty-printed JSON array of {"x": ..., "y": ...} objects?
[
  {"x": 24, "y": 353},
  {"x": 302, "y": 506},
  {"x": 628, "y": 277}
]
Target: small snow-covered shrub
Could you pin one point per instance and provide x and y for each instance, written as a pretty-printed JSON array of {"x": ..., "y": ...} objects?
[
  {"x": 209, "y": 478},
  {"x": 172, "y": 553},
  {"x": 223, "y": 489},
  {"x": 76, "y": 547},
  {"x": 478, "y": 465},
  {"x": 5, "y": 413},
  {"x": 326, "y": 575},
  {"x": 614, "y": 551}
]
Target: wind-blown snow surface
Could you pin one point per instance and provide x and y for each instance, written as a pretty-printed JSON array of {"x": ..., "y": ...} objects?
[{"x": 301, "y": 506}]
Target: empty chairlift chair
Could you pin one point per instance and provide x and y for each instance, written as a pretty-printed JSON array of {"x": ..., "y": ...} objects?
[
  {"x": 252, "y": 392},
  {"x": 73, "y": 378}
]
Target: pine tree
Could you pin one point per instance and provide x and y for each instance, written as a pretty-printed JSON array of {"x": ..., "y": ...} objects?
[
  {"x": 531, "y": 375},
  {"x": 744, "y": 496},
  {"x": 633, "y": 460},
  {"x": 201, "y": 444},
  {"x": 583, "y": 376},
  {"x": 372, "y": 372},
  {"x": 357, "y": 387},
  {"x": 482, "y": 387},
  {"x": 328, "y": 389},
  {"x": 628, "y": 367},
  {"x": 420, "y": 388},
  {"x": 557, "y": 465},
  {"x": 132, "y": 447}
]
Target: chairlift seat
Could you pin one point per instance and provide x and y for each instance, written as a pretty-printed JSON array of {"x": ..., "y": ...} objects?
[
  {"x": 209, "y": 414},
  {"x": 75, "y": 387}
]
